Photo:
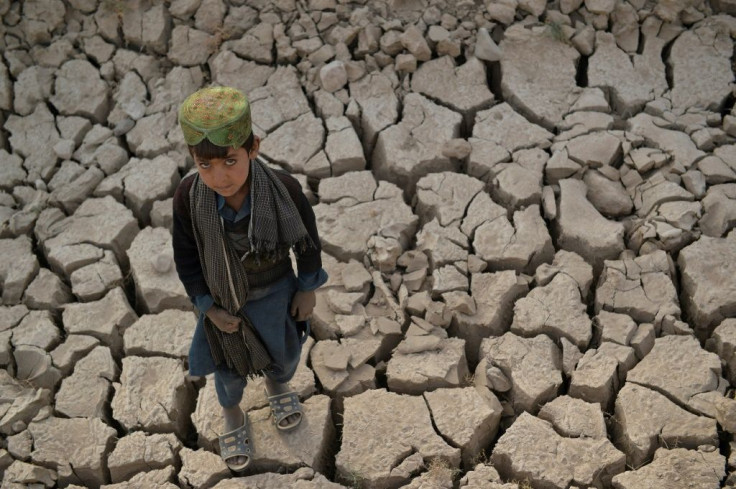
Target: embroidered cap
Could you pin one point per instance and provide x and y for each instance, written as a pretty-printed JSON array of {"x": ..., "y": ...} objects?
[{"x": 220, "y": 114}]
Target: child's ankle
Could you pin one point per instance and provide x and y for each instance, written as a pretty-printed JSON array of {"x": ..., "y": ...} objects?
[
  {"x": 233, "y": 417},
  {"x": 275, "y": 388}
]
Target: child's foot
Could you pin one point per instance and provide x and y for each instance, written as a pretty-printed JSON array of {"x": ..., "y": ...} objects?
[
  {"x": 281, "y": 391},
  {"x": 235, "y": 419}
]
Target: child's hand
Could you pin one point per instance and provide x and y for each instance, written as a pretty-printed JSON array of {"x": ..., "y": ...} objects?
[
  {"x": 225, "y": 322},
  {"x": 303, "y": 304}
]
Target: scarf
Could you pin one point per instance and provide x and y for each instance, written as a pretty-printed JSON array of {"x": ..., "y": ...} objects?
[{"x": 275, "y": 223}]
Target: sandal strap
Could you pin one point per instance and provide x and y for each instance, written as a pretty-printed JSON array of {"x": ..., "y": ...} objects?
[
  {"x": 283, "y": 405},
  {"x": 235, "y": 443}
]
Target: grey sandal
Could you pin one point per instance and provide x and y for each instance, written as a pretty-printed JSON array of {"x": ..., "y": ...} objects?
[
  {"x": 236, "y": 443},
  {"x": 283, "y": 406}
]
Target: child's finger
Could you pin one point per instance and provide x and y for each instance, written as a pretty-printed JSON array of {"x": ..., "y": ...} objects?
[{"x": 294, "y": 309}]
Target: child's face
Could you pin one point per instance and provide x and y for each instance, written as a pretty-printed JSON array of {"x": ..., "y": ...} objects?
[{"x": 227, "y": 176}]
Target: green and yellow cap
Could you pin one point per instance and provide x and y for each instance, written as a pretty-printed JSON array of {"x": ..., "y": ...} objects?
[{"x": 220, "y": 114}]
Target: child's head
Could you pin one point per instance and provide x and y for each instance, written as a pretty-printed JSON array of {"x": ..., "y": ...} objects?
[
  {"x": 217, "y": 128},
  {"x": 215, "y": 119}
]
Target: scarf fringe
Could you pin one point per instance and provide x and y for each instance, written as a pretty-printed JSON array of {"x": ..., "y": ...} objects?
[{"x": 268, "y": 250}]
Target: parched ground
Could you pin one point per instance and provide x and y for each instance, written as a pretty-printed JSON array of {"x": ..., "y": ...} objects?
[{"x": 526, "y": 211}]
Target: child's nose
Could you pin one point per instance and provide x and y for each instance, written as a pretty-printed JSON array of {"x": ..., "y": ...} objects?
[{"x": 221, "y": 176}]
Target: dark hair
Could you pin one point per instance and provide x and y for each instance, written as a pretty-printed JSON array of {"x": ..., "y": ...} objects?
[{"x": 207, "y": 151}]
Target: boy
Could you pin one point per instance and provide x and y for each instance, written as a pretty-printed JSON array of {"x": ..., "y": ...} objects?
[{"x": 234, "y": 223}]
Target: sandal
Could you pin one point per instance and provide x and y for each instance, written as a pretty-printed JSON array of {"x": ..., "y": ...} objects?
[
  {"x": 283, "y": 406},
  {"x": 234, "y": 444}
]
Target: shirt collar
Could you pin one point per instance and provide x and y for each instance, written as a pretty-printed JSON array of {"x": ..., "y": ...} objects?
[{"x": 229, "y": 214}]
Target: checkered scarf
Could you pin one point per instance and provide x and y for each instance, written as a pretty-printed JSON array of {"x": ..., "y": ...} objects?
[{"x": 274, "y": 223}]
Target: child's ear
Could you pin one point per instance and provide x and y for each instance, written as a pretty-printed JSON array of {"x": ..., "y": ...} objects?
[{"x": 254, "y": 147}]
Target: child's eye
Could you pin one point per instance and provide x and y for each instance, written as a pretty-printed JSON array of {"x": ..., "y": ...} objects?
[
  {"x": 203, "y": 164},
  {"x": 230, "y": 161}
]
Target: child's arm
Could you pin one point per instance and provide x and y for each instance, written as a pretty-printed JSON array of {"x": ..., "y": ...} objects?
[
  {"x": 311, "y": 275},
  {"x": 186, "y": 255},
  {"x": 309, "y": 261}
]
